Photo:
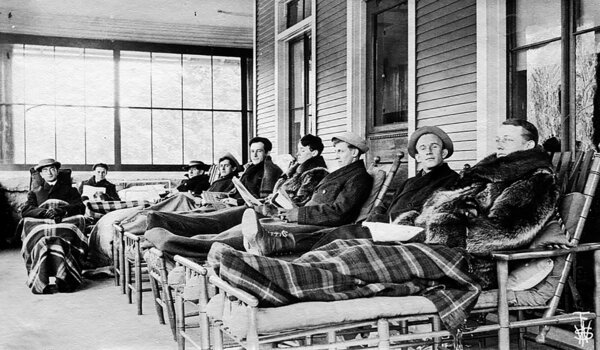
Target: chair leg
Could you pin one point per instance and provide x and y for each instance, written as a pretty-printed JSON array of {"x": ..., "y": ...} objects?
[
  {"x": 522, "y": 342},
  {"x": 122, "y": 263},
  {"x": 128, "y": 281},
  {"x": 383, "y": 329},
  {"x": 217, "y": 337},
  {"x": 156, "y": 294},
  {"x": 436, "y": 326},
  {"x": 180, "y": 318},
  {"x": 138, "y": 283},
  {"x": 115, "y": 260}
]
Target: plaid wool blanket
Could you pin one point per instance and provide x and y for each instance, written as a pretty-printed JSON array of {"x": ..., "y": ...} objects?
[
  {"x": 53, "y": 249},
  {"x": 97, "y": 209},
  {"x": 346, "y": 269}
]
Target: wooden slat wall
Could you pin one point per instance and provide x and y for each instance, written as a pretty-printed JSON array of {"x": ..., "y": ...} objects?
[
  {"x": 265, "y": 69},
  {"x": 331, "y": 69},
  {"x": 446, "y": 73}
]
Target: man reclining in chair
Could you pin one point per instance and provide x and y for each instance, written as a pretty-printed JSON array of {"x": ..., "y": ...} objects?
[
  {"x": 501, "y": 203},
  {"x": 429, "y": 145},
  {"x": 336, "y": 200},
  {"x": 53, "y": 240}
]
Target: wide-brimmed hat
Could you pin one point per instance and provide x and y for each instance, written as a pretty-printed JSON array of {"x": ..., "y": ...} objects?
[
  {"x": 102, "y": 165},
  {"x": 46, "y": 162},
  {"x": 412, "y": 141},
  {"x": 198, "y": 164},
  {"x": 352, "y": 139},
  {"x": 232, "y": 159}
]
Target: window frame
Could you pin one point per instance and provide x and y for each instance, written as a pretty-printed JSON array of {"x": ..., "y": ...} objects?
[
  {"x": 245, "y": 56},
  {"x": 567, "y": 41}
]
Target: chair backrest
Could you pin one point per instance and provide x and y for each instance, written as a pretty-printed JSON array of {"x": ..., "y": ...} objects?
[
  {"x": 213, "y": 173},
  {"x": 36, "y": 181},
  {"x": 381, "y": 183},
  {"x": 578, "y": 173}
]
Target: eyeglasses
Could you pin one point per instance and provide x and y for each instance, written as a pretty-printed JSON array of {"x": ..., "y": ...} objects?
[
  {"x": 505, "y": 140},
  {"x": 48, "y": 169}
]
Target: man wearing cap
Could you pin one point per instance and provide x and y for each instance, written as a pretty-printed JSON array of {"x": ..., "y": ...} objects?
[
  {"x": 429, "y": 145},
  {"x": 196, "y": 181},
  {"x": 336, "y": 200},
  {"x": 228, "y": 169},
  {"x": 99, "y": 180},
  {"x": 52, "y": 187}
]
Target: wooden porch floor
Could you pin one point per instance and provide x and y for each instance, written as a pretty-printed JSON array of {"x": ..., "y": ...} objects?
[{"x": 95, "y": 317}]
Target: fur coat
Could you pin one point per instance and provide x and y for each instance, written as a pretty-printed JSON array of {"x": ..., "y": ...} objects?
[
  {"x": 501, "y": 203},
  {"x": 300, "y": 180}
]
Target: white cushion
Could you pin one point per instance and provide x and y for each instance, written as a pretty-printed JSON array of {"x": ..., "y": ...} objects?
[{"x": 529, "y": 274}]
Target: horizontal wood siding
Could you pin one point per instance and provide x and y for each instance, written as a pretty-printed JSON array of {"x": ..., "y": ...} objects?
[
  {"x": 446, "y": 76},
  {"x": 331, "y": 70},
  {"x": 265, "y": 69}
]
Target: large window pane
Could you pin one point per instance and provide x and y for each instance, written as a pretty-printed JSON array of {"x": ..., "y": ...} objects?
[
  {"x": 197, "y": 82},
  {"x": 198, "y": 136},
  {"x": 134, "y": 75},
  {"x": 166, "y": 137},
  {"x": 70, "y": 76},
  {"x": 39, "y": 75},
  {"x": 391, "y": 66},
  {"x": 100, "y": 135},
  {"x": 70, "y": 135},
  {"x": 39, "y": 133},
  {"x": 589, "y": 14},
  {"x": 166, "y": 80},
  {"x": 99, "y": 77},
  {"x": 227, "y": 86},
  {"x": 537, "y": 84},
  {"x": 136, "y": 137},
  {"x": 587, "y": 132},
  {"x": 536, "y": 20},
  {"x": 228, "y": 128}
]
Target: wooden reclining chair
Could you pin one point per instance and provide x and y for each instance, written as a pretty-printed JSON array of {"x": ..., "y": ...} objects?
[
  {"x": 236, "y": 314},
  {"x": 383, "y": 176}
]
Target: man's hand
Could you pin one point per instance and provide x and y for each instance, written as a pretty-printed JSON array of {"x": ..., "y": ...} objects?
[{"x": 289, "y": 215}]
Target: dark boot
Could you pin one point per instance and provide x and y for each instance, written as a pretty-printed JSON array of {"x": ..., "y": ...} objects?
[{"x": 260, "y": 242}]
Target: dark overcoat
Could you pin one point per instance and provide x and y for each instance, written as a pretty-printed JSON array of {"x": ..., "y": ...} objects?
[
  {"x": 338, "y": 198},
  {"x": 222, "y": 184},
  {"x": 111, "y": 189},
  {"x": 300, "y": 181},
  {"x": 413, "y": 192},
  {"x": 196, "y": 184},
  {"x": 260, "y": 178},
  {"x": 61, "y": 190}
]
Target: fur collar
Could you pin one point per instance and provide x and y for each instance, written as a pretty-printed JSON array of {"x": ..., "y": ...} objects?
[{"x": 508, "y": 168}]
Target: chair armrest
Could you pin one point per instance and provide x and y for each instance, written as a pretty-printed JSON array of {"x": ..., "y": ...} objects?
[
  {"x": 118, "y": 227},
  {"x": 190, "y": 265},
  {"x": 235, "y": 292},
  {"x": 135, "y": 238},
  {"x": 543, "y": 253}
]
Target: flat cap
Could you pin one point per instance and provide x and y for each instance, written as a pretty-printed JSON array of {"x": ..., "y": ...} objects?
[
  {"x": 414, "y": 138},
  {"x": 352, "y": 139}
]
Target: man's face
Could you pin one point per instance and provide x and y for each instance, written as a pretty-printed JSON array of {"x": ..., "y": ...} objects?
[
  {"x": 304, "y": 153},
  {"x": 344, "y": 154},
  {"x": 430, "y": 151},
  {"x": 193, "y": 171},
  {"x": 225, "y": 167},
  {"x": 257, "y": 152},
  {"x": 49, "y": 173},
  {"x": 100, "y": 173},
  {"x": 510, "y": 139}
]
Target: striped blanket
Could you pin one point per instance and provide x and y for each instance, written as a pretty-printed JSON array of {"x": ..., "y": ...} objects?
[
  {"x": 346, "y": 269},
  {"x": 97, "y": 209},
  {"x": 53, "y": 249}
]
